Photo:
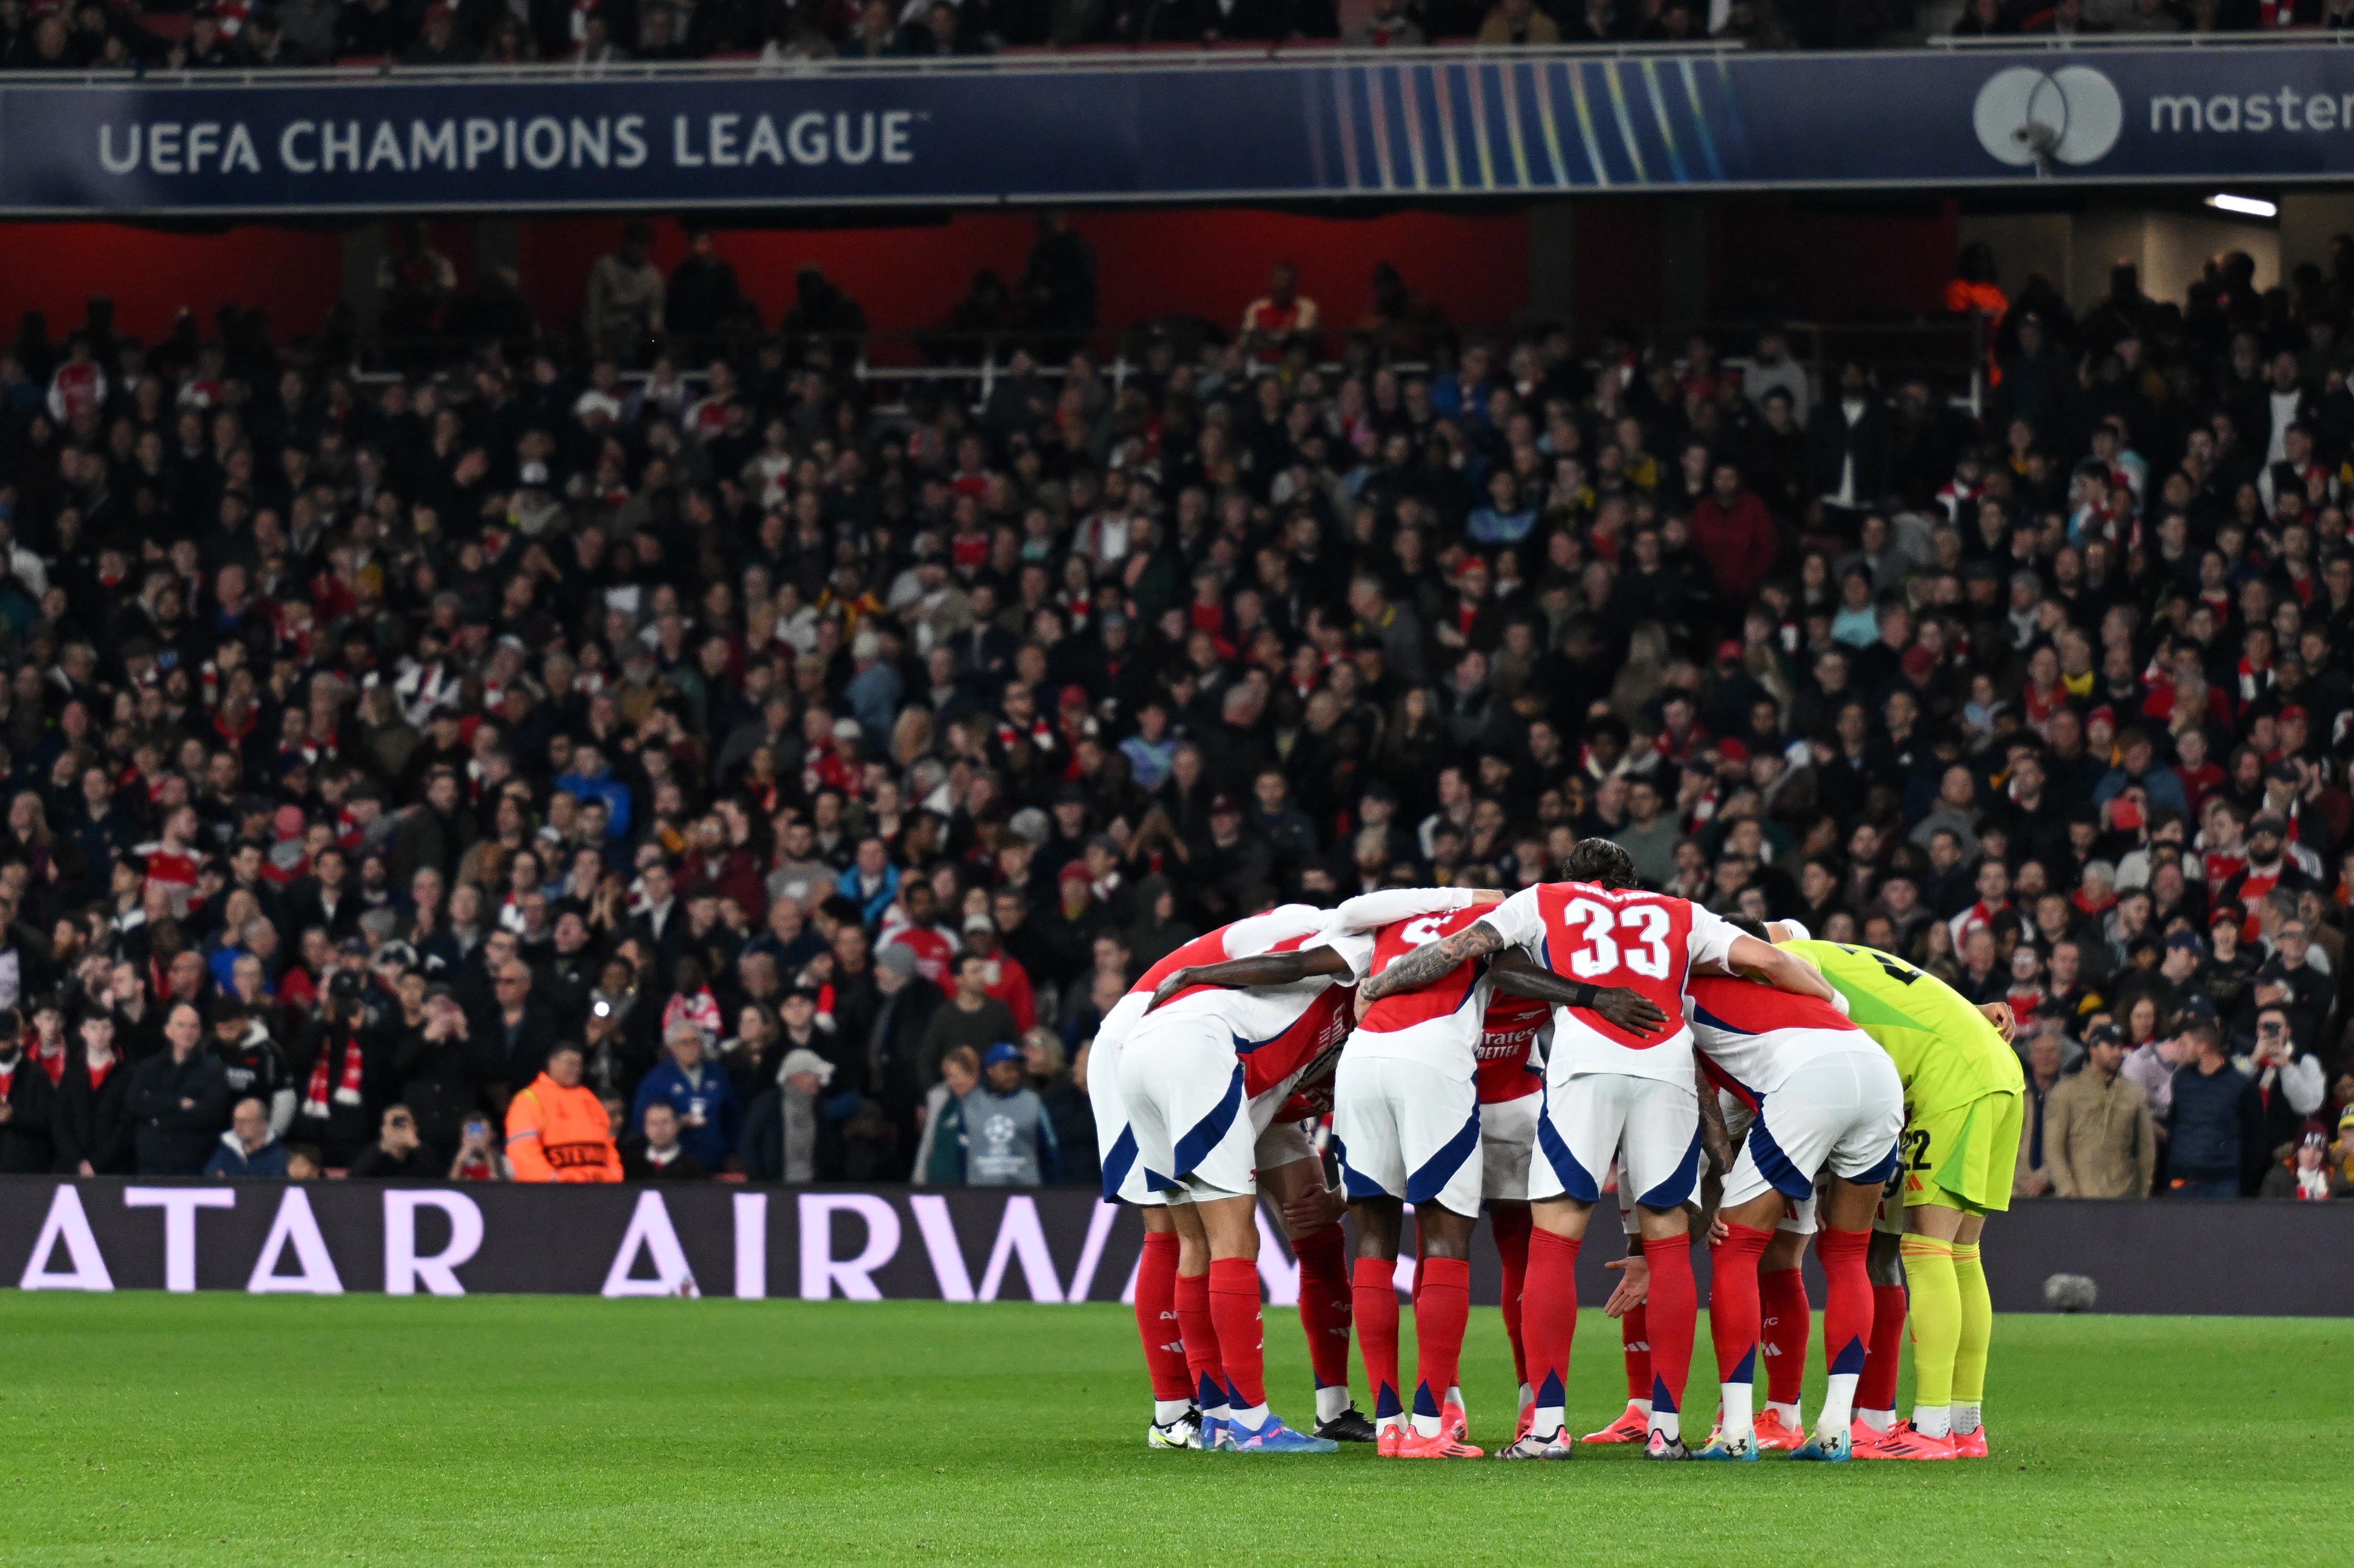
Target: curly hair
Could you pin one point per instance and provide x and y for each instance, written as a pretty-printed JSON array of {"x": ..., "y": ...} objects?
[{"x": 1600, "y": 862}]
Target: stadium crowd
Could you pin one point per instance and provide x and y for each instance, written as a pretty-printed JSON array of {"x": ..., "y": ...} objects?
[
  {"x": 245, "y": 35},
  {"x": 515, "y": 767}
]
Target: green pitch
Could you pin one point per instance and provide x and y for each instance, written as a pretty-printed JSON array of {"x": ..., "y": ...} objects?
[{"x": 143, "y": 1429}]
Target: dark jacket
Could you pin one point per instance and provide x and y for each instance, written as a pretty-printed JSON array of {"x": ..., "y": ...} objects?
[
  {"x": 374, "y": 1163},
  {"x": 2217, "y": 1128},
  {"x": 94, "y": 1124},
  {"x": 173, "y": 1138},
  {"x": 25, "y": 1144},
  {"x": 435, "y": 1079},
  {"x": 230, "y": 1158},
  {"x": 514, "y": 1060},
  {"x": 346, "y": 1128},
  {"x": 711, "y": 1142},
  {"x": 636, "y": 1167},
  {"x": 894, "y": 1065}
]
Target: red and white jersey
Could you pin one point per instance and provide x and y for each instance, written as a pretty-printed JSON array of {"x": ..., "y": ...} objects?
[
  {"x": 1282, "y": 1031},
  {"x": 935, "y": 953},
  {"x": 1459, "y": 1024},
  {"x": 1440, "y": 1024},
  {"x": 1508, "y": 1040},
  {"x": 1647, "y": 942},
  {"x": 1278, "y": 1031},
  {"x": 1240, "y": 940},
  {"x": 1752, "y": 1036}
]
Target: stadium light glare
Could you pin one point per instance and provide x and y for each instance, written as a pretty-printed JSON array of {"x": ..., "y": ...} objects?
[{"x": 2246, "y": 206}]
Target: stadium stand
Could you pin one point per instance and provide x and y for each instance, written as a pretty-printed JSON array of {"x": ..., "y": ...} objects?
[
  {"x": 239, "y": 35},
  {"x": 789, "y": 738}
]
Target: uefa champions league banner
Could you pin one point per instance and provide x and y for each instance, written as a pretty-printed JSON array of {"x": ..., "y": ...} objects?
[
  {"x": 1433, "y": 123},
  {"x": 964, "y": 1245}
]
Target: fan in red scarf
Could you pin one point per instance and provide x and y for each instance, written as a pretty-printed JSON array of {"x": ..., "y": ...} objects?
[
  {"x": 1020, "y": 720},
  {"x": 2256, "y": 662}
]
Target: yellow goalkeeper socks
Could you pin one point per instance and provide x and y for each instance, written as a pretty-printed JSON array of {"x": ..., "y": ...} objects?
[
  {"x": 1935, "y": 1323},
  {"x": 1976, "y": 1330}
]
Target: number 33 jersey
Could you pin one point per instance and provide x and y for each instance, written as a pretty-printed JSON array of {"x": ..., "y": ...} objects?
[{"x": 1646, "y": 942}]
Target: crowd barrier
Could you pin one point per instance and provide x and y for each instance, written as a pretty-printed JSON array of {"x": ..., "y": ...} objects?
[{"x": 874, "y": 1244}]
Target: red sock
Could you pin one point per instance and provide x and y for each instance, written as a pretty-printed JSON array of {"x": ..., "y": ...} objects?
[
  {"x": 1846, "y": 1301},
  {"x": 1439, "y": 1320},
  {"x": 1324, "y": 1303},
  {"x": 1374, "y": 1292},
  {"x": 1156, "y": 1318},
  {"x": 1202, "y": 1360},
  {"x": 1787, "y": 1317},
  {"x": 1549, "y": 1315},
  {"x": 1635, "y": 1335},
  {"x": 1733, "y": 1308},
  {"x": 1673, "y": 1313},
  {"x": 1234, "y": 1308},
  {"x": 1511, "y": 1226},
  {"x": 1877, "y": 1388}
]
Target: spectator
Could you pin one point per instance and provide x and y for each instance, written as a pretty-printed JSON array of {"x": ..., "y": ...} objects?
[
  {"x": 479, "y": 1158},
  {"x": 2034, "y": 1177},
  {"x": 2099, "y": 1141},
  {"x": 1003, "y": 978},
  {"x": 1009, "y": 1137},
  {"x": 2301, "y": 1171},
  {"x": 339, "y": 1072},
  {"x": 625, "y": 299},
  {"x": 1735, "y": 535},
  {"x": 1385, "y": 26},
  {"x": 398, "y": 1153},
  {"x": 940, "y": 1157},
  {"x": 703, "y": 297},
  {"x": 179, "y": 1099},
  {"x": 1272, "y": 321},
  {"x": 973, "y": 1018},
  {"x": 785, "y": 1128},
  {"x": 1062, "y": 1091},
  {"x": 2289, "y": 1083},
  {"x": 93, "y": 1128},
  {"x": 557, "y": 1127},
  {"x": 2215, "y": 1124},
  {"x": 1516, "y": 22},
  {"x": 697, "y": 1090},
  {"x": 28, "y": 1104},
  {"x": 248, "y": 1148},
  {"x": 657, "y": 1155}
]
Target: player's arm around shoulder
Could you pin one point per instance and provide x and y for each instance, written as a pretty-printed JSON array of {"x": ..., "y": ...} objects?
[
  {"x": 1433, "y": 960},
  {"x": 1782, "y": 969},
  {"x": 1261, "y": 968}
]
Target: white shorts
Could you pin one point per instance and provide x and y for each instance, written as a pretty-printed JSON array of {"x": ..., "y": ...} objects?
[
  {"x": 1838, "y": 1116},
  {"x": 1651, "y": 1124},
  {"x": 1123, "y": 1173},
  {"x": 1195, "y": 1134},
  {"x": 1406, "y": 1129},
  {"x": 1507, "y": 1137},
  {"x": 1797, "y": 1213},
  {"x": 1283, "y": 1143}
]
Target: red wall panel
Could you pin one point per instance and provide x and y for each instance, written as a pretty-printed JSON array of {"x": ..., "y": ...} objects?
[{"x": 55, "y": 268}]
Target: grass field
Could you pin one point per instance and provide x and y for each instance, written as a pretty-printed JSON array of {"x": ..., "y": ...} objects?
[{"x": 152, "y": 1429}]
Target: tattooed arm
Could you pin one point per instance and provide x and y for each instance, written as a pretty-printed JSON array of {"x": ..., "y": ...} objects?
[{"x": 1414, "y": 970}]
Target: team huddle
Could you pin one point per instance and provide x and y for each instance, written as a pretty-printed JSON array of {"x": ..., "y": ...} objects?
[{"x": 1475, "y": 1050}]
